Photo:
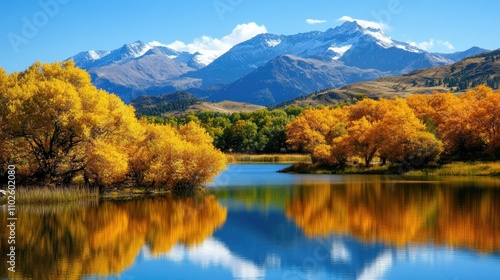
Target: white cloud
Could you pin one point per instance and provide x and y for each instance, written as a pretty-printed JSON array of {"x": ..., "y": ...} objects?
[
  {"x": 211, "y": 48},
  {"x": 428, "y": 45},
  {"x": 366, "y": 23},
  {"x": 446, "y": 44},
  {"x": 423, "y": 45},
  {"x": 315, "y": 21}
]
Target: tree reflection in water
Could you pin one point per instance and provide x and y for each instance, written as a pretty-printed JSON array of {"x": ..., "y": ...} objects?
[
  {"x": 69, "y": 242},
  {"x": 457, "y": 215}
]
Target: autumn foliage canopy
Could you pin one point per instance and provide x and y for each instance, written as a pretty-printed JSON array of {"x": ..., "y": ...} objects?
[
  {"x": 56, "y": 127},
  {"x": 417, "y": 130}
]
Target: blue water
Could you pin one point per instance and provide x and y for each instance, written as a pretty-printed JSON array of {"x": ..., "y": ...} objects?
[
  {"x": 259, "y": 224},
  {"x": 262, "y": 243}
]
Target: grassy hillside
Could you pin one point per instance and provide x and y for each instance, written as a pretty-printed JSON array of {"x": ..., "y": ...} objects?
[
  {"x": 226, "y": 107},
  {"x": 183, "y": 102}
]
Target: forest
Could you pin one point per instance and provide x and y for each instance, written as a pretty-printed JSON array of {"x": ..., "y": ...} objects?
[
  {"x": 417, "y": 130},
  {"x": 58, "y": 129},
  {"x": 258, "y": 132}
]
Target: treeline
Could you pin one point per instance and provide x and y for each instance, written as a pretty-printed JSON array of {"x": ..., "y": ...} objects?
[
  {"x": 482, "y": 73},
  {"x": 417, "y": 130},
  {"x": 262, "y": 131},
  {"x": 59, "y": 129},
  {"x": 461, "y": 84}
]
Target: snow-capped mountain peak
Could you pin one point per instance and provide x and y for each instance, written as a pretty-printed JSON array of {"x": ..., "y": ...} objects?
[{"x": 137, "y": 48}]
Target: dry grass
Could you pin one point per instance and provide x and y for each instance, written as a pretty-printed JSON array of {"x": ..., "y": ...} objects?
[
  {"x": 52, "y": 195},
  {"x": 462, "y": 169},
  {"x": 225, "y": 107},
  {"x": 268, "y": 158}
]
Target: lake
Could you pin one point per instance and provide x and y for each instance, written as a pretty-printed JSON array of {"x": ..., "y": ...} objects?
[{"x": 259, "y": 224}]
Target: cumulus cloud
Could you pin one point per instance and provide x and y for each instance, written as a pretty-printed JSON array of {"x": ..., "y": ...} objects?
[
  {"x": 365, "y": 23},
  {"x": 211, "y": 48},
  {"x": 431, "y": 43},
  {"x": 315, "y": 21}
]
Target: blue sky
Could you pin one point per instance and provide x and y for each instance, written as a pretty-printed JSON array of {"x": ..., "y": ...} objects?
[{"x": 53, "y": 30}]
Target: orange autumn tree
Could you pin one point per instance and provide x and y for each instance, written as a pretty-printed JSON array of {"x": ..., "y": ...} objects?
[
  {"x": 485, "y": 118},
  {"x": 467, "y": 124},
  {"x": 56, "y": 127},
  {"x": 386, "y": 128}
]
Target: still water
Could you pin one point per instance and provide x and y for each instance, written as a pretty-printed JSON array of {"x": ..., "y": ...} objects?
[{"x": 259, "y": 224}]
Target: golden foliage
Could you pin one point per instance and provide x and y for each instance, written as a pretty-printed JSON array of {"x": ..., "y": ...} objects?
[
  {"x": 56, "y": 126},
  {"x": 467, "y": 124},
  {"x": 385, "y": 128},
  {"x": 416, "y": 130}
]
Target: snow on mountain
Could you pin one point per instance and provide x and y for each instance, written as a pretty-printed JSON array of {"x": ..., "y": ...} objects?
[
  {"x": 339, "y": 51},
  {"x": 273, "y": 43},
  {"x": 349, "y": 40},
  {"x": 286, "y": 77},
  {"x": 91, "y": 59}
]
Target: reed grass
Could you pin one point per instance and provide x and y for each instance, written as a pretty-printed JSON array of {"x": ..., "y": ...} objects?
[
  {"x": 461, "y": 169},
  {"x": 308, "y": 168},
  {"x": 267, "y": 158},
  {"x": 52, "y": 195}
]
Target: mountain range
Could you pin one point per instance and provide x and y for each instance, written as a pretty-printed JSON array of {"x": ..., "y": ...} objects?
[
  {"x": 458, "y": 77},
  {"x": 265, "y": 70}
]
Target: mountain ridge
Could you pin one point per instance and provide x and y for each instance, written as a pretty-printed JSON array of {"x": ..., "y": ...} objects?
[
  {"x": 457, "y": 77},
  {"x": 153, "y": 68}
]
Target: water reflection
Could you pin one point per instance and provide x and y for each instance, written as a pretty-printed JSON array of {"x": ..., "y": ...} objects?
[
  {"x": 281, "y": 226},
  {"x": 70, "y": 242},
  {"x": 399, "y": 213}
]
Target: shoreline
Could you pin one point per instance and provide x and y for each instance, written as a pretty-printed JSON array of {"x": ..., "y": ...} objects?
[
  {"x": 478, "y": 168},
  {"x": 268, "y": 158}
]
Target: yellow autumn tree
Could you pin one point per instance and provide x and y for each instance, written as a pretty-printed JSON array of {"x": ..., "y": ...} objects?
[
  {"x": 314, "y": 127},
  {"x": 315, "y": 130},
  {"x": 201, "y": 160},
  {"x": 171, "y": 158},
  {"x": 44, "y": 113},
  {"x": 56, "y": 126}
]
